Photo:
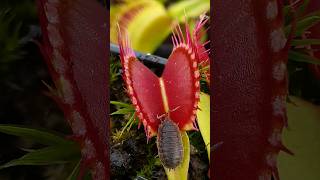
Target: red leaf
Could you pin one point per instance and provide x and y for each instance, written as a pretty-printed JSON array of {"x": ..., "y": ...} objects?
[
  {"x": 250, "y": 88},
  {"x": 181, "y": 81},
  {"x": 146, "y": 89},
  {"x": 175, "y": 94},
  {"x": 75, "y": 48}
]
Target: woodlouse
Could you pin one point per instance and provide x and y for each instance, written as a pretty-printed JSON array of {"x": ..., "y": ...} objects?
[{"x": 169, "y": 144}]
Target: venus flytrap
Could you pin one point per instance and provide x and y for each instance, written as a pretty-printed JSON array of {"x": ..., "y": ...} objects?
[{"x": 171, "y": 100}]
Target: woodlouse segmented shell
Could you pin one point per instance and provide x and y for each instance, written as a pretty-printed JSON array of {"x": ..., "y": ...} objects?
[{"x": 169, "y": 142}]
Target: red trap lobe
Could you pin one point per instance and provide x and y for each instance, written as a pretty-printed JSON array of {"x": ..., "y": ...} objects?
[{"x": 176, "y": 93}]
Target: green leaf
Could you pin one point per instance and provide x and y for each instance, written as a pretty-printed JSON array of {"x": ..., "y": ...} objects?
[
  {"x": 302, "y": 138},
  {"x": 9, "y": 35},
  {"x": 123, "y": 111},
  {"x": 121, "y": 104},
  {"x": 203, "y": 115},
  {"x": 301, "y": 57},
  {"x": 48, "y": 155},
  {"x": 128, "y": 125},
  {"x": 75, "y": 172},
  {"x": 304, "y": 25},
  {"x": 301, "y": 10},
  {"x": 192, "y": 8},
  {"x": 181, "y": 172},
  {"x": 40, "y": 136},
  {"x": 305, "y": 42},
  {"x": 124, "y": 108},
  {"x": 298, "y": 12}
]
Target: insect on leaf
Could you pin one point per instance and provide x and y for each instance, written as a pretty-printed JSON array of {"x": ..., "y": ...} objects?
[{"x": 181, "y": 172}]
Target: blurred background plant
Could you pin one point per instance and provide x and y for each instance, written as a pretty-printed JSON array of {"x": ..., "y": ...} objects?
[
  {"x": 150, "y": 22},
  {"x": 304, "y": 52},
  {"x": 302, "y": 135},
  {"x": 33, "y": 128}
]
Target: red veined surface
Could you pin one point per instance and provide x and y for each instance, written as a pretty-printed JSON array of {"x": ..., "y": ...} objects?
[
  {"x": 250, "y": 88},
  {"x": 75, "y": 49},
  {"x": 181, "y": 82},
  {"x": 147, "y": 95},
  {"x": 176, "y": 93}
]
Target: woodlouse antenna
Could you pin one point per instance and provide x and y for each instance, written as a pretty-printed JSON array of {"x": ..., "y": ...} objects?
[
  {"x": 167, "y": 114},
  {"x": 176, "y": 108}
]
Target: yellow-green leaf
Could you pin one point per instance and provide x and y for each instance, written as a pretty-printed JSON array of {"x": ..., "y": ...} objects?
[
  {"x": 303, "y": 139},
  {"x": 147, "y": 22},
  {"x": 181, "y": 172},
  {"x": 203, "y": 115},
  {"x": 193, "y": 8}
]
